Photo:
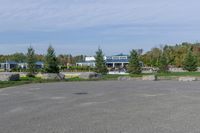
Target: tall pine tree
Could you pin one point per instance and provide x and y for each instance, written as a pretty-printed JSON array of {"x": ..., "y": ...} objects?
[
  {"x": 134, "y": 66},
  {"x": 51, "y": 62},
  {"x": 31, "y": 60},
  {"x": 100, "y": 62},
  {"x": 190, "y": 61}
]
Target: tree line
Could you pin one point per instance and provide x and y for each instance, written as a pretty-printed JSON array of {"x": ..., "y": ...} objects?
[
  {"x": 185, "y": 55},
  {"x": 63, "y": 59},
  {"x": 175, "y": 55}
]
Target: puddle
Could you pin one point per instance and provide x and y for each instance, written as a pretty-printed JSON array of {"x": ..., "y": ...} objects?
[{"x": 81, "y": 93}]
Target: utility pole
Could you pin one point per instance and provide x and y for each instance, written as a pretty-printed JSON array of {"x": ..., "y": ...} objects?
[{"x": 6, "y": 65}]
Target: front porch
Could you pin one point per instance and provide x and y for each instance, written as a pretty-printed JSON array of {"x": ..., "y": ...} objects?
[{"x": 117, "y": 65}]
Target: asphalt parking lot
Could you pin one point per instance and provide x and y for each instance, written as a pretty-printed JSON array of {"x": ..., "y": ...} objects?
[{"x": 101, "y": 107}]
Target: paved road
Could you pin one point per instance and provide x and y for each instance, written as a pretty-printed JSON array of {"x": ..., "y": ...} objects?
[{"x": 101, "y": 107}]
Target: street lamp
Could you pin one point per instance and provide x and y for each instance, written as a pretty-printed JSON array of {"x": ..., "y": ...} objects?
[{"x": 6, "y": 65}]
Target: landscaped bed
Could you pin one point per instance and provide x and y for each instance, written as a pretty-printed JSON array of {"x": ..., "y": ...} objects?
[
  {"x": 24, "y": 80},
  {"x": 160, "y": 76}
]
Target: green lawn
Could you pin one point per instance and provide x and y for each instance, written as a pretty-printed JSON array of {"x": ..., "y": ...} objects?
[
  {"x": 22, "y": 81},
  {"x": 111, "y": 77},
  {"x": 26, "y": 80},
  {"x": 176, "y": 74},
  {"x": 4, "y": 84},
  {"x": 196, "y": 74}
]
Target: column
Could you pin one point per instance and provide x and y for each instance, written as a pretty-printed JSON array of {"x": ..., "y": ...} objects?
[{"x": 113, "y": 65}]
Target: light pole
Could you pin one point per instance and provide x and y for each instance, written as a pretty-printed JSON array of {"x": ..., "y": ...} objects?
[{"x": 6, "y": 65}]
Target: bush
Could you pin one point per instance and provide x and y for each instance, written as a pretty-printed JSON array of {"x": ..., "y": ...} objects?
[{"x": 77, "y": 68}]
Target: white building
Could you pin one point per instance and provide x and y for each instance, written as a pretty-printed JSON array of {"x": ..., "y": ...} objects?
[
  {"x": 89, "y": 61},
  {"x": 9, "y": 65},
  {"x": 89, "y": 58},
  {"x": 38, "y": 65},
  {"x": 119, "y": 61}
]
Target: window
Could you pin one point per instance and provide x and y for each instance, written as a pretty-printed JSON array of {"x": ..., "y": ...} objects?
[
  {"x": 123, "y": 57},
  {"x": 115, "y": 58}
]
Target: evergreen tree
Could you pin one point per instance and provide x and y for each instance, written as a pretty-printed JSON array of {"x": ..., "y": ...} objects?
[
  {"x": 51, "y": 63},
  {"x": 31, "y": 60},
  {"x": 190, "y": 62},
  {"x": 134, "y": 66},
  {"x": 100, "y": 62},
  {"x": 163, "y": 63}
]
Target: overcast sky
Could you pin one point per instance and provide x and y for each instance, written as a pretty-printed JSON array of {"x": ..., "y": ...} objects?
[{"x": 80, "y": 26}]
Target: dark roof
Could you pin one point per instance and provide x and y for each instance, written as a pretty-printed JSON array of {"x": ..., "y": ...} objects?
[
  {"x": 13, "y": 62},
  {"x": 39, "y": 63},
  {"x": 108, "y": 61},
  {"x": 121, "y": 54},
  {"x": 117, "y": 61},
  {"x": 10, "y": 62},
  {"x": 87, "y": 62}
]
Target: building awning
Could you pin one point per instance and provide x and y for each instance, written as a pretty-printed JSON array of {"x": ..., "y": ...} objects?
[{"x": 117, "y": 61}]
